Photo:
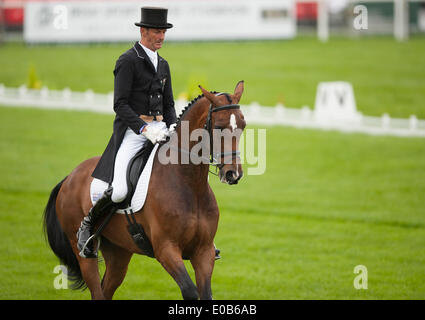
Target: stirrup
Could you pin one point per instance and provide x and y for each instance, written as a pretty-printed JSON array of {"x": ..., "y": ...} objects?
[
  {"x": 92, "y": 255},
  {"x": 96, "y": 212}
]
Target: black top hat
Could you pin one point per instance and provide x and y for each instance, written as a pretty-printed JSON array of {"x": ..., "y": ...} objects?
[{"x": 153, "y": 17}]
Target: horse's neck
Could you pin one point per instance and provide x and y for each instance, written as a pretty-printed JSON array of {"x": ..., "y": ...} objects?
[{"x": 195, "y": 116}]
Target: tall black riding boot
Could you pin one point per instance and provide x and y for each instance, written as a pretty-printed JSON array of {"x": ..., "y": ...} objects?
[{"x": 102, "y": 207}]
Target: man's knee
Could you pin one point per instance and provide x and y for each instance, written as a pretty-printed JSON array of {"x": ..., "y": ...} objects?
[{"x": 119, "y": 194}]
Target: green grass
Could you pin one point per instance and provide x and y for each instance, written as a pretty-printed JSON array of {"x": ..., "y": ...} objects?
[
  {"x": 327, "y": 202},
  {"x": 387, "y": 76}
]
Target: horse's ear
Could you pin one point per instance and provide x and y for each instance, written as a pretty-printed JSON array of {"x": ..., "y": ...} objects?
[
  {"x": 210, "y": 96},
  {"x": 238, "y": 92}
]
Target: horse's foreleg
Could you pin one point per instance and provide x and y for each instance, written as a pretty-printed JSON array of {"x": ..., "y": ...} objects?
[
  {"x": 171, "y": 259},
  {"x": 203, "y": 264},
  {"x": 116, "y": 261}
]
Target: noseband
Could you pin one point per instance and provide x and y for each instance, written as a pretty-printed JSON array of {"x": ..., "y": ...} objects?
[{"x": 208, "y": 126}]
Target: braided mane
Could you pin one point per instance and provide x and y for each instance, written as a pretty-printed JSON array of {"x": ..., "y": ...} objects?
[{"x": 190, "y": 104}]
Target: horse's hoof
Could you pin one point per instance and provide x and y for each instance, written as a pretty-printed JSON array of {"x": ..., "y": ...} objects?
[{"x": 217, "y": 254}]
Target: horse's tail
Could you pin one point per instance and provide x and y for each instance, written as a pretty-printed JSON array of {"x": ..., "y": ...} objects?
[{"x": 59, "y": 242}]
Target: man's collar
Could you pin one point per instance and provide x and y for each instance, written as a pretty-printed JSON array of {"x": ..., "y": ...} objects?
[
  {"x": 141, "y": 53},
  {"x": 148, "y": 51}
]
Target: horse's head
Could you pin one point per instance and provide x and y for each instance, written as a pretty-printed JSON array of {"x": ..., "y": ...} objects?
[{"x": 225, "y": 123}]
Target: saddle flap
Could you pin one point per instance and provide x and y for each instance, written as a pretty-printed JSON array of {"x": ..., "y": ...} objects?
[
  {"x": 135, "y": 169},
  {"x": 139, "y": 186}
]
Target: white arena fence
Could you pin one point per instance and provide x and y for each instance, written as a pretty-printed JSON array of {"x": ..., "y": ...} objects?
[{"x": 278, "y": 115}]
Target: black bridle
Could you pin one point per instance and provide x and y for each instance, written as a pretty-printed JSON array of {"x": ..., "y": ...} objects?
[
  {"x": 213, "y": 159},
  {"x": 208, "y": 126}
]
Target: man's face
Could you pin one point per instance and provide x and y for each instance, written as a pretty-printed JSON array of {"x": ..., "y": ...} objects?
[{"x": 153, "y": 38}]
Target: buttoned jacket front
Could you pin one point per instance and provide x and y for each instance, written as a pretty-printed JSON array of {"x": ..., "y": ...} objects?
[{"x": 139, "y": 89}]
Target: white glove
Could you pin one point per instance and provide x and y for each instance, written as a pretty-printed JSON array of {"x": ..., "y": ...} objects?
[
  {"x": 155, "y": 133},
  {"x": 172, "y": 129}
]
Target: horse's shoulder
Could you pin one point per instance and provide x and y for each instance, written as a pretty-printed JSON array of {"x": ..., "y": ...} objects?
[{"x": 210, "y": 202}]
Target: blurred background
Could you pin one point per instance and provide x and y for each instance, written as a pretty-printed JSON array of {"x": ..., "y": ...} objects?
[
  {"x": 338, "y": 86},
  {"x": 386, "y": 17}
]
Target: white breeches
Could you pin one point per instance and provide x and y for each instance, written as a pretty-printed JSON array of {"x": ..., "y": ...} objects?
[{"x": 130, "y": 145}]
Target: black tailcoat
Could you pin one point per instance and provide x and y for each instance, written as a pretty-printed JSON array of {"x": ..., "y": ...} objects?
[{"x": 138, "y": 89}]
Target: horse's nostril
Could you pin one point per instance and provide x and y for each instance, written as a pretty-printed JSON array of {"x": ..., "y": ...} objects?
[{"x": 229, "y": 175}]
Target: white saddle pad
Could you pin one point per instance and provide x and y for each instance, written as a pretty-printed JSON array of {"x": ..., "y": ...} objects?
[{"x": 98, "y": 187}]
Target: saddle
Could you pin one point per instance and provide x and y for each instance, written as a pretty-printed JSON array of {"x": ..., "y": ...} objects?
[
  {"x": 134, "y": 170},
  {"x": 137, "y": 180}
]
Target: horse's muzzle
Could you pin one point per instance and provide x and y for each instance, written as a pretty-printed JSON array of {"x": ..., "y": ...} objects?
[{"x": 231, "y": 177}]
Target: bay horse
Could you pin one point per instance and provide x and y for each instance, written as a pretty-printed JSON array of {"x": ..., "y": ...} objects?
[{"x": 180, "y": 214}]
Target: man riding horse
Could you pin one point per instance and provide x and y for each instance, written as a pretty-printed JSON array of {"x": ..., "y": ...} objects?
[{"x": 144, "y": 107}]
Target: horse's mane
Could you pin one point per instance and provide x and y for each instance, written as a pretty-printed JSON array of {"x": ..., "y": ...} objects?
[{"x": 190, "y": 105}]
